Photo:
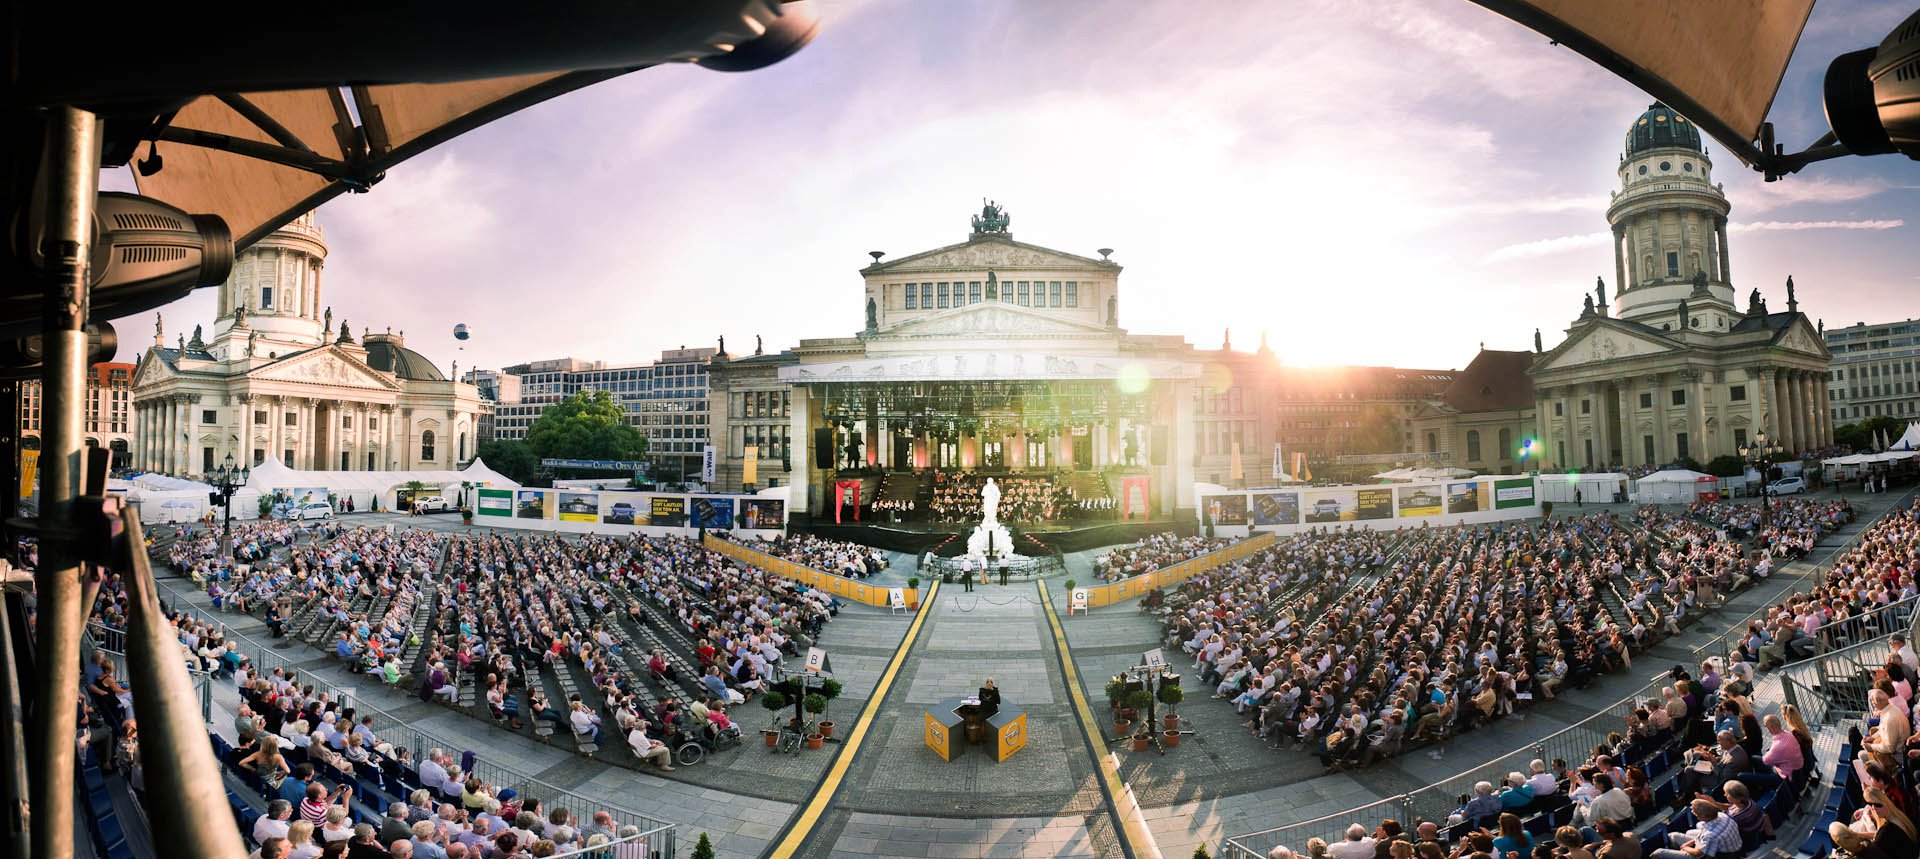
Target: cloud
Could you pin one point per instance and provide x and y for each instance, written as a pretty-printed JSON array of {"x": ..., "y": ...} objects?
[
  {"x": 1563, "y": 244},
  {"x": 1767, "y": 196},
  {"x": 1547, "y": 247},
  {"x": 1796, "y": 226}
]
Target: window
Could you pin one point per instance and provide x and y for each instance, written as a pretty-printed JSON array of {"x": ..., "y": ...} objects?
[
  {"x": 1433, "y": 443},
  {"x": 370, "y": 461},
  {"x": 1739, "y": 437},
  {"x": 1673, "y": 264},
  {"x": 373, "y": 424},
  {"x": 1026, "y": 294},
  {"x": 346, "y": 422},
  {"x": 460, "y": 449},
  {"x": 291, "y": 419},
  {"x": 926, "y": 297},
  {"x": 207, "y": 416},
  {"x": 1646, "y": 448},
  {"x": 1646, "y": 401},
  {"x": 286, "y": 457},
  {"x": 259, "y": 455},
  {"x": 426, "y": 446},
  {"x": 1737, "y": 394},
  {"x": 1559, "y": 410},
  {"x": 943, "y": 295},
  {"x": 1073, "y": 293},
  {"x": 1473, "y": 445},
  {"x": 1680, "y": 445},
  {"x": 1053, "y": 294},
  {"x": 1680, "y": 396},
  {"x": 346, "y": 461},
  {"x": 1506, "y": 443},
  {"x": 266, "y": 297},
  {"x": 973, "y": 292},
  {"x": 1586, "y": 407},
  {"x": 259, "y": 418}
]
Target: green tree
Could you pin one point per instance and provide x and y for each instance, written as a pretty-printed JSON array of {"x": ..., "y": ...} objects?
[
  {"x": 1378, "y": 432},
  {"x": 703, "y": 849},
  {"x": 1727, "y": 465},
  {"x": 1863, "y": 435},
  {"x": 511, "y": 458},
  {"x": 587, "y": 425}
]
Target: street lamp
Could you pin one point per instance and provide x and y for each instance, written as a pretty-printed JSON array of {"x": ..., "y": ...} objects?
[
  {"x": 1759, "y": 455},
  {"x": 226, "y": 480}
]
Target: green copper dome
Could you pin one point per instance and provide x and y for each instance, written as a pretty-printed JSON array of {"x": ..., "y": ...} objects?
[{"x": 1661, "y": 127}]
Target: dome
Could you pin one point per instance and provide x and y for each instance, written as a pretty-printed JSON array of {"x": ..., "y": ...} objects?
[
  {"x": 384, "y": 353},
  {"x": 1661, "y": 127}
]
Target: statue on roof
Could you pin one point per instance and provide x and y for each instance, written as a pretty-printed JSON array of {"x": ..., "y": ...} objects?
[
  {"x": 873, "y": 315},
  {"x": 197, "y": 340},
  {"x": 159, "y": 336},
  {"x": 1754, "y": 305},
  {"x": 756, "y": 344},
  {"x": 993, "y": 286},
  {"x": 253, "y": 339},
  {"x": 723, "y": 344},
  {"x": 240, "y": 315},
  {"x": 1586, "y": 306},
  {"x": 1700, "y": 283},
  {"x": 346, "y": 334},
  {"x": 1683, "y": 315},
  {"x": 1793, "y": 302},
  {"x": 328, "y": 324},
  {"x": 1536, "y": 341},
  {"x": 992, "y": 218},
  {"x": 1600, "y": 293}
]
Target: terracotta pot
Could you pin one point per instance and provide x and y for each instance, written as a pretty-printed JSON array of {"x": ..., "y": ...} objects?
[
  {"x": 1171, "y": 737},
  {"x": 826, "y": 729},
  {"x": 1122, "y": 726},
  {"x": 815, "y": 741},
  {"x": 772, "y": 738},
  {"x": 1140, "y": 742},
  {"x": 1172, "y": 720}
]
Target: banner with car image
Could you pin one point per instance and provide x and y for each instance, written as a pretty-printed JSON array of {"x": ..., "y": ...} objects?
[
  {"x": 1330, "y": 505},
  {"x": 579, "y": 506},
  {"x": 624, "y": 508},
  {"x": 495, "y": 502},
  {"x": 1419, "y": 500}
]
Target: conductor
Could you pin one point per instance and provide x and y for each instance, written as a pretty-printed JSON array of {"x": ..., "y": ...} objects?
[{"x": 989, "y": 699}]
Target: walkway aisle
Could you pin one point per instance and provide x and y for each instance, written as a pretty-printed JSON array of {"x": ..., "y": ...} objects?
[
  {"x": 900, "y": 800},
  {"x": 1222, "y": 781}
]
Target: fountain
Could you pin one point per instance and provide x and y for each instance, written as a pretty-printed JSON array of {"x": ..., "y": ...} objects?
[{"x": 990, "y": 541}]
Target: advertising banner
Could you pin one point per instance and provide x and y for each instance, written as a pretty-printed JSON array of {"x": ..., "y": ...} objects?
[
  {"x": 1513, "y": 493},
  {"x": 762, "y": 513},
  {"x": 1276, "y": 508},
  {"x": 707, "y": 463},
  {"x": 668, "y": 510},
  {"x": 1464, "y": 498},
  {"x": 750, "y": 469},
  {"x": 1279, "y": 461},
  {"x": 579, "y": 506},
  {"x": 532, "y": 504},
  {"x": 1330, "y": 505},
  {"x": 624, "y": 508},
  {"x": 495, "y": 502},
  {"x": 1419, "y": 500},
  {"x": 1227, "y": 509},
  {"x": 1375, "y": 503},
  {"x": 712, "y": 512}
]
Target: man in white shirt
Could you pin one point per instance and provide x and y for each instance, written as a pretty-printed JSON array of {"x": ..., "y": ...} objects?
[
  {"x": 1542, "y": 781},
  {"x": 1358, "y": 845},
  {"x": 274, "y": 823},
  {"x": 586, "y": 725},
  {"x": 648, "y": 749},
  {"x": 1611, "y": 803},
  {"x": 1904, "y": 650},
  {"x": 433, "y": 770}
]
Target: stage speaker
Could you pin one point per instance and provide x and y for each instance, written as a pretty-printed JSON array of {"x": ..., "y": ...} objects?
[
  {"x": 823, "y": 447},
  {"x": 1157, "y": 447}
]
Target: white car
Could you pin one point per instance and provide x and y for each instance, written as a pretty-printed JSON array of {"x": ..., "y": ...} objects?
[
  {"x": 1787, "y": 486},
  {"x": 310, "y": 510},
  {"x": 432, "y": 504}
]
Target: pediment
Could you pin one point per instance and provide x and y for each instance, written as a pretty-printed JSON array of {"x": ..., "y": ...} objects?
[
  {"x": 992, "y": 253},
  {"x": 152, "y": 371},
  {"x": 1800, "y": 338},
  {"x": 325, "y": 366},
  {"x": 994, "y": 319},
  {"x": 1599, "y": 344}
]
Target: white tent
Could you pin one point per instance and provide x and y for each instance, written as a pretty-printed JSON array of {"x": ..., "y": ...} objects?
[
  {"x": 364, "y": 487},
  {"x": 161, "y": 498},
  {"x": 1674, "y": 486},
  {"x": 1909, "y": 440}
]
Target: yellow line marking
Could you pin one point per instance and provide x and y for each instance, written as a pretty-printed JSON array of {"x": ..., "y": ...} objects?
[
  {"x": 823, "y": 795},
  {"x": 1133, "y": 826}
]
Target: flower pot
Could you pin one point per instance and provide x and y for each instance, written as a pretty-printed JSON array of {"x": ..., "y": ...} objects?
[
  {"x": 772, "y": 738},
  {"x": 815, "y": 741},
  {"x": 1140, "y": 742},
  {"x": 826, "y": 729},
  {"x": 1122, "y": 726},
  {"x": 1172, "y": 720},
  {"x": 1171, "y": 737}
]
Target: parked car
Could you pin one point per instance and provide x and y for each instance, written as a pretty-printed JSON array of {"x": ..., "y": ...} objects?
[
  {"x": 432, "y": 504},
  {"x": 310, "y": 510},
  {"x": 621, "y": 513},
  {"x": 1787, "y": 486}
]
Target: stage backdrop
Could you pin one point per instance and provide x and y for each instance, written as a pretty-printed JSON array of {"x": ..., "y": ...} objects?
[{"x": 1286, "y": 511}]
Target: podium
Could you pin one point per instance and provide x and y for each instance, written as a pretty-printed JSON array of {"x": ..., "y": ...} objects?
[{"x": 949, "y": 727}]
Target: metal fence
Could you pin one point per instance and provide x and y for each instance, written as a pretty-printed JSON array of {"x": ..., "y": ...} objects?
[
  {"x": 401, "y": 734},
  {"x": 1723, "y": 644},
  {"x": 113, "y": 643}
]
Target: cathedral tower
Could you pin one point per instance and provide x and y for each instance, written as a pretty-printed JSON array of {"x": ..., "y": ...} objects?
[
  {"x": 1670, "y": 228},
  {"x": 272, "y": 298}
]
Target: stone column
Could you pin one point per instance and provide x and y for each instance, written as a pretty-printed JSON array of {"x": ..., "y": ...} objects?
[
  {"x": 1697, "y": 444},
  {"x": 1686, "y": 244},
  {"x": 1758, "y": 380},
  {"x": 1570, "y": 448},
  {"x": 1726, "y": 273},
  {"x": 1662, "y": 434},
  {"x": 800, "y": 452},
  {"x": 1619, "y": 259},
  {"x": 1790, "y": 410},
  {"x": 1603, "y": 429},
  {"x": 1633, "y": 256},
  {"x": 1808, "y": 407},
  {"x": 1180, "y": 451}
]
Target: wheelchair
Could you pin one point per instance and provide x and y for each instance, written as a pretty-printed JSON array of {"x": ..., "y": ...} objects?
[{"x": 691, "y": 747}]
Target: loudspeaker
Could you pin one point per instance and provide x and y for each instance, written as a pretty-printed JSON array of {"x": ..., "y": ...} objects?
[
  {"x": 823, "y": 447},
  {"x": 1157, "y": 447}
]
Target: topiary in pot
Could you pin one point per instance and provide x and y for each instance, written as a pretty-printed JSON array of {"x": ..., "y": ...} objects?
[
  {"x": 1171, "y": 695},
  {"x": 704, "y": 849},
  {"x": 1116, "y": 689},
  {"x": 774, "y": 701}
]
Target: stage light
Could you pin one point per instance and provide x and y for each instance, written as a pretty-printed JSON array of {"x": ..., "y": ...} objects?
[
  {"x": 1873, "y": 95},
  {"x": 796, "y": 26},
  {"x": 146, "y": 254}
]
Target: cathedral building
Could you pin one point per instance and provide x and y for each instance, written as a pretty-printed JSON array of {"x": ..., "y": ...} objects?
[
  {"x": 1678, "y": 368},
  {"x": 279, "y": 378}
]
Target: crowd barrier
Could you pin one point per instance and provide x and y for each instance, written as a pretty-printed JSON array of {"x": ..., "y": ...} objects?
[
  {"x": 1128, "y": 588},
  {"x": 840, "y": 586}
]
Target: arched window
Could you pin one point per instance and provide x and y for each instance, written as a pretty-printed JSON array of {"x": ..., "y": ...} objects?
[
  {"x": 1473, "y": 445},
  {"x": 426, "y": 446},
  {"x": 462, "y": 449},
  {"x": 1433, "y": 443},
  {"x": 1506, "y": 444}
]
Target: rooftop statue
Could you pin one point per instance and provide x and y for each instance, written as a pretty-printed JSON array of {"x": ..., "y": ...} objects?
[{"x": 992, "y": 218}]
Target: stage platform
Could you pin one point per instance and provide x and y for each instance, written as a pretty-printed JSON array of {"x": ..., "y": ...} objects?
[{"x": 949, "y": 539}]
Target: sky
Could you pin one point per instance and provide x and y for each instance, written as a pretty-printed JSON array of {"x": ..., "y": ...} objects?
[{"x": 1388, "y": 183}]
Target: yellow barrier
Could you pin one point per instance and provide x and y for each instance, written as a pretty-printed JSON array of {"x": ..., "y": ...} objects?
[
  {"x": 840, "y": 586},
  {"x": 1129, "y": 588}
]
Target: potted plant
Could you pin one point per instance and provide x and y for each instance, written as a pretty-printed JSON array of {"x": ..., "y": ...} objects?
[
  {"x": 466, "y": 515},
  {"x": 1141, "y": 739},
  {"x": 1171, "y": 695},
  {"x": 816, "y": 704},
  {"x": 1130, "y": 707},
  {"x": 1070, "y": 584},
  {"x": 829, "y": 689},
  {"x": 1171, "y": 737},
  {"x": 1116, "y": 689},
  {"x": 774, "y": 702},
  {"x": 1199, "y": 852},
  {"x": 704, "y": 849}
]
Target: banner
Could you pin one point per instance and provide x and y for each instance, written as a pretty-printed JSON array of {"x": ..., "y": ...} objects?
[
  {"x": 624, "y": 508},
  {"x": 1464, "y": 498},
  {"x": 1227, "y": 509},
  {"x": 668, "y": 510},
  {"x": 29, "y": 463},
  {"x": 763, "y": 513},
  {"x": 532, "y": 504},
  {"x": 1330, "y": 505},
  {"x": 712, "y": 512},
  {"x": 706, "y": 465},
  {"x": 594, "y": 464},
  {"x": 750, "y": 471},
  {"x": 579, "y": 506},
  {"x": 1301, "y": 472},
  {"x": 1276, "y": 508},
  {"x": 1419, "y": 500},
  {"x": 1235, "y": 468},
  {"x": 495, "y": 502},
  {"x": 1513, "y": 493},
  {"x": 1279, "y": 461},
  {"x": 1375, "y": 503}
]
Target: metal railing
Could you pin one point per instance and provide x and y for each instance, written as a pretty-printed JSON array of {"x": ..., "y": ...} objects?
[
  {"x": 1438, "y": 800},
  {"x": 113, "y": 643},
  {"x": 630, "y": 847},
  {"x": 402, "y": 734}
]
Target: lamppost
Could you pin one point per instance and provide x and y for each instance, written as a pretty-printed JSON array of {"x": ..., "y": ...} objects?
[
  {"x": 226, "y": 480},
  {"x": 1758, "y": 455}
]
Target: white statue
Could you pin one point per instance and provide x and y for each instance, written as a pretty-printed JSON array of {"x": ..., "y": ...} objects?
[{"x": 990, "y": 503}]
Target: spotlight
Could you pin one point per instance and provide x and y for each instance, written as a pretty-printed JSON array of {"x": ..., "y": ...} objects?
[
  {"x": 1873, "y": 95},
  {"x": 796, "y": 26},
  {"x": 145, "y": 254}
]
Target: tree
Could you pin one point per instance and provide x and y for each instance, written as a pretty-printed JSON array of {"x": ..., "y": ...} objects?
[
  {"x": 703, "y": 849},
  {"x": 511, "y": 458},
  {"x": 1378, "y": 432},
  {"x": 1727, "y": 465},
  {"x": 1863, "y": 435},
  {"x": 587, "y": 425}
]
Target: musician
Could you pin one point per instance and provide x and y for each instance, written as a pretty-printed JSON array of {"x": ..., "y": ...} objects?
[{"x": 989, "y": 699}]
